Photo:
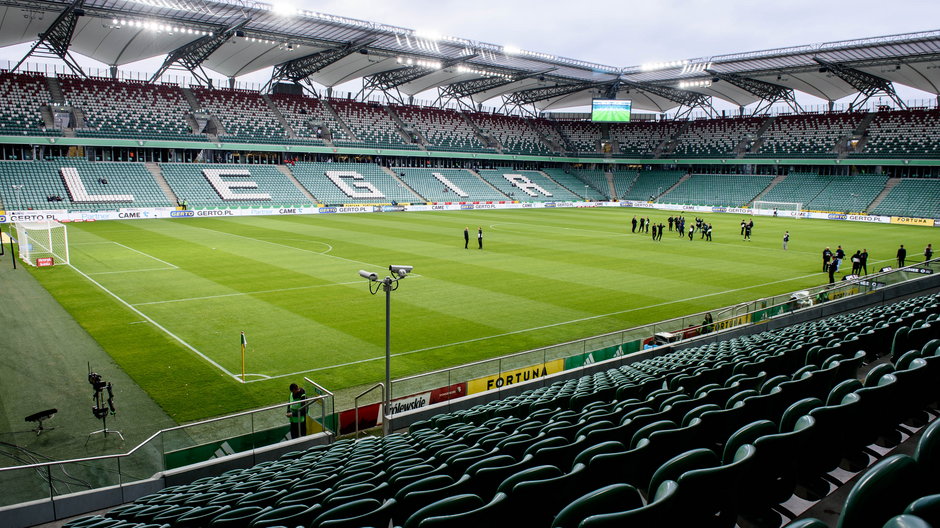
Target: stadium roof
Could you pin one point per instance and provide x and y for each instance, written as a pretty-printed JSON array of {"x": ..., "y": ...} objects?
[{"x": 235, "y": 38}]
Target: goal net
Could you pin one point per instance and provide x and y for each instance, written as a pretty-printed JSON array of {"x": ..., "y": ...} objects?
[
  {"x": 43, "y": 243},
  {"x": 770, "y": 207}
]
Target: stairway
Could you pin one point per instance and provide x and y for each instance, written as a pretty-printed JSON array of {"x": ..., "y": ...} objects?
[
  {"x": 548, "y": 142},
  {"x": 488, "y": 184},
  {"x": 402, "y": 183},
  {"x": 742, "y": 147},
  {"x": 290, "y": 176},
  {"x": 55, "y": 90},
  {"x": 568, "y": 146},
  {"x": 279, "y": 116},
  {"x": 668, "y": 145},
  {"x": 556, "y": 182},
  {"x": 161, "y": 181},
  {"x": 636, "y": 176},
  {"x": 329, "y": 108},
  {"x": 401, "y": 127},
  {"x": 685, "y": 177},
  {"x": 78, "y": 117},
  {"x": 47, "y": 119},
  {"x": 773, "y": 183},
  {"x": 191, "y": 99},
  {"x": 860, "y": 133},
  {"x": 486, "y": 140},
  {"x": 611, "y": 190},
  {"x": 891, "y": 184}
]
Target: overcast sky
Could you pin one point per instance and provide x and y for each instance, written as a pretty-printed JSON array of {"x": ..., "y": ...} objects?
[{"x": 629, "y": 33}]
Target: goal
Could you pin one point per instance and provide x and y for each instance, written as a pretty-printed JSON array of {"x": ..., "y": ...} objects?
[
  {"x": 40, "y": 241},
  {"x": 770, "y": 207}
]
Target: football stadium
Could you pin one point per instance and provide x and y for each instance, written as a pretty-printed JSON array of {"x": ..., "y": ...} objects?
[{"x": 413, "y": 280}]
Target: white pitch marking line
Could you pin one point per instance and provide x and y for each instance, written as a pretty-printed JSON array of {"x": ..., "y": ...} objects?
[
  {"x": 299, "y": 249},
  {"x": 562, "y": 323},
  {"x": 248, "y": 293},
  {"x": 154, "y": 323},
  {"x": 133, "y": 271},
  {"x": 147, "y": 255}
]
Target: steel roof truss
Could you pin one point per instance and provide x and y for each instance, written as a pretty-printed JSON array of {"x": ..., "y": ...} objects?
[{"x": 57, "y": 38}]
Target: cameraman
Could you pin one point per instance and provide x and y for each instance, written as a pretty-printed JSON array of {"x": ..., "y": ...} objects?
[{"x": 297, "y": 411}]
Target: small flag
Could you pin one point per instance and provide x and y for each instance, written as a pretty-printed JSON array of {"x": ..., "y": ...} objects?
[{"x": 244, "y": 341}]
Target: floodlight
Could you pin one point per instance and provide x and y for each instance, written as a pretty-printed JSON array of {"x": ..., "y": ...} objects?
[
  {"x": 428, "y": 34},
  {"x": 283, "y": 8},
  {"x": 511, "y": 50}
]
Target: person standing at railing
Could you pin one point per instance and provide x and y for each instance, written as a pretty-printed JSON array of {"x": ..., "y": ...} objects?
[
  {"x": 902, "y": 254},
  {"x": 297, "y": 411},
  {"x": 928, "y": 252}
]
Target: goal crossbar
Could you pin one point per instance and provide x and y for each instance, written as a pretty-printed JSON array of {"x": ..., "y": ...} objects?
[
  {"x": 779, "y": 206},
  {"x": 42, "y": 240}
]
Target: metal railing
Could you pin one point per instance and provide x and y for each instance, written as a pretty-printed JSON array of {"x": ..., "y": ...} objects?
[
  {"x": 356, "y": 403},
  {"x": 164, "y": 450},
  {"x": 686, "y": 326}
]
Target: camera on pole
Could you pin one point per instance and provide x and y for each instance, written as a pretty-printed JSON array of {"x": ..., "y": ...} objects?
[{"x": 104, "y": 405}]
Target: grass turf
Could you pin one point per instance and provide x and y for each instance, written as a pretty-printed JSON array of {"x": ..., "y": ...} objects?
[{"x": 167, "y": 298}]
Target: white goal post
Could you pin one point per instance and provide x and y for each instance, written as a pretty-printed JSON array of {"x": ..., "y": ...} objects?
[
  {"x": 770, "y": 207},
  {"x": 38, "y": 242}
]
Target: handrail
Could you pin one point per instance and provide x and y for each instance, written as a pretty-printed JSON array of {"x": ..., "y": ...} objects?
[
  {"x": 160, "y": 432},
  {"x": 356, "y": 402},
  {"x": 322, "y": 389},
  {"x": 770, "y": 300}
]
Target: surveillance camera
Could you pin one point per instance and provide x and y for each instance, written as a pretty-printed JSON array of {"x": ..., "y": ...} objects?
[
  {"x": 368, "y": 275},
  {"x": 400, "y": 270}
]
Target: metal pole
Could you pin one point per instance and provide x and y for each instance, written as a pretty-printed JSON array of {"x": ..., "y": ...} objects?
[{"x": 388, "y": 355}]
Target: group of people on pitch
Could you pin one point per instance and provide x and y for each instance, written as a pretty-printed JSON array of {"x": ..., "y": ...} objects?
[
  {"x": 833, "y": 261},
  {"x": 676, "y": 224}
]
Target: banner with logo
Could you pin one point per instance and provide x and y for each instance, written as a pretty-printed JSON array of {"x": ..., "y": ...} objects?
[
  {"x": 510, "y": 377},
  {"x": 904, "y": 220},
  {"x": 371, "y": 416}
]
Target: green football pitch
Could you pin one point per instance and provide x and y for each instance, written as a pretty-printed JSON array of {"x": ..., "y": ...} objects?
[{"x": 168, "y": 298}]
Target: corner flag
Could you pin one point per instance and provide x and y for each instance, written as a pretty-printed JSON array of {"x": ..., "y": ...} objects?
[{"x": 244, "y": 346}]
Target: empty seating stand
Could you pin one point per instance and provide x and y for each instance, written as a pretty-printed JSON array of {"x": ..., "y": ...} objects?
[
  {"x": 244, "y": 115},
  {"x": 23, "y": 95},
  {"x": 122, "y": 109},
  {"x": 372, "y": 125},
  {"x": 584, "y": 136},
  {"x": 912, "y": 197},
  {"x": 712, "y": 138},
  {"x": 577, "y": 183},
  {"x": 514, "y": 133},
  {"x": 547, "y": 191},
  {"x": 702, "y": 436},
  {"x": 313, "y": 176},
  {"x": 639, "y": 139},
  {"x": 427, "y": 185},
  {"x": 444, "y": 129},
  {"x": 309, "y": 118},
  {"x": 190, "y": 183},
  {"x": 903, "y": 134},
  {"x": 30, "y": 184},
  {"x": 808, "y": 136},
  {"x": 731, "y": 190},
  {"x": 647, "y": 183}
]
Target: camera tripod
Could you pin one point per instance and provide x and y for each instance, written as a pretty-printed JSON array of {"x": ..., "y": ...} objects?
[{"x": 102, "y": 406}]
